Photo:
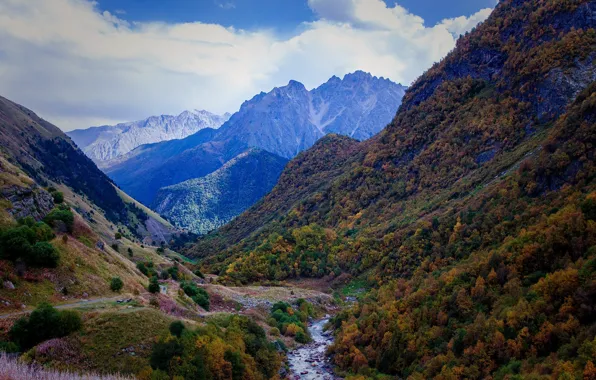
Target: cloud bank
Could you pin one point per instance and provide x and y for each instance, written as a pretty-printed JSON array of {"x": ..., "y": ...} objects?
[{"x": 78, "y": 67}]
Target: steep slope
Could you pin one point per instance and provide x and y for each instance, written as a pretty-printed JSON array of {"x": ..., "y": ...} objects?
[
  {"x": 150, "y": 168},
  {"x": 472, "y": 213},
  {"x": 111, "y": 141},
  {"x": 46, "y": 154},
  {"x": 465, "y": 121},
  {"x": 206, "y": 203},
  {"x": 58, "y": 247},
  {"x": 311, "y": 172}
]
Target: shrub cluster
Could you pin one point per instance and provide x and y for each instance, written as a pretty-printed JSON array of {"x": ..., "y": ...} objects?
[
  {"x": 116, "y": 284},
  {"x": 29, "y": 242},
  {"x": 232, "y": 347},
  {"x": 199, "y": 295},
  {"x": 61, "y": 214},
  {"x": 44, "y": 323},
  {"x": 291, "y": 322}
]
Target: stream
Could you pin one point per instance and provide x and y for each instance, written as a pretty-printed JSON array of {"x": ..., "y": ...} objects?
[{"x": 309, "y": 362}]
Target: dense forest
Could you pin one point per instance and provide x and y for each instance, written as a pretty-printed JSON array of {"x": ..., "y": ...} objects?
[{"x": 471, "y": 216}]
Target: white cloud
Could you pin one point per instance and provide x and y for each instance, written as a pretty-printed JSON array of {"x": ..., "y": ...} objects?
[
  {"x": 225, "y": 4},
  {"x": 77, "y": 66},
  {"x": 461, "y": 25}
]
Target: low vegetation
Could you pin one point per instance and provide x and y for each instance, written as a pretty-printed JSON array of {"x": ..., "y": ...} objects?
[
  {"x": 44, "y": 323},
  {"x": 233, "y": 347},
  {"x": 12, "y": 368},
  {"x": 199, "y": 295},
  {"x": 292, "y": 322},
  {"x": 29, "y": 243}
]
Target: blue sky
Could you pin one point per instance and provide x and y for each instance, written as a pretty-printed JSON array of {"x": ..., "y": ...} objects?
[
  {"x": 109, "y": 61},
  {"x": 283, "y": 15}
]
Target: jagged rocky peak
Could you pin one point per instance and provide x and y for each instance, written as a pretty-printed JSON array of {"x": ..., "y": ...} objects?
[{"x": 290, "y": 118}]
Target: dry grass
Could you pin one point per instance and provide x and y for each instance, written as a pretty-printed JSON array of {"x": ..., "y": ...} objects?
[
  {"x": 121, "y": 342},
  {"x": 14, "y": 369}
]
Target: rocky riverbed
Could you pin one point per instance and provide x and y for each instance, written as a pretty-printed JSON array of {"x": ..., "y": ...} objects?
[{"x": 309, "y": 362}]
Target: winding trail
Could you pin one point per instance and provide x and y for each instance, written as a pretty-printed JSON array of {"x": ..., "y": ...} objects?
[
  {"x": 309, "y": 362},
  {"x": 66, "y": 305}
]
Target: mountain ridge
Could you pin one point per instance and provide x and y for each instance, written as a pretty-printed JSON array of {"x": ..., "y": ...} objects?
[{"x": 108, "y": 142}]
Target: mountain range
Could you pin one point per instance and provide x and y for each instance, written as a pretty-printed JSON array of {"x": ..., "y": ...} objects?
[
  {"x": 112, "y": 141},
  {"x": 462, "y": 236},
  {"x": 284, "y": 122}
]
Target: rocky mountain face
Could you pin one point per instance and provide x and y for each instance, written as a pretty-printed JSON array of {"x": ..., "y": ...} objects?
[
  {"x": 109, "y": 142},
  {"x": 290, "y": 119},
  {"x": 470, "y": 217},
  {"x": 206, "y": 203}
]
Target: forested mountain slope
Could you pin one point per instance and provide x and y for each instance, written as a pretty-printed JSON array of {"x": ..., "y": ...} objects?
[
  {"x": 466, "y": 121},
  {"x": 472, "y": 214},
  {"x": 206, "y": 203}
]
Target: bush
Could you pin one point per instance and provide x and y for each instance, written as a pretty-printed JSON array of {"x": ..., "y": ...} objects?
[
  {"x": 129, "y": 250},
  {"x": 274, "y": 331},
  {"x": 199, "y": 274},
  {"x": 117, "y": 236},
  {"x": 202, "y": 300},
  {"x": 153, "y": 285},
  {"x": 142, "y": 268},
  {"x": 28, "y": 242},
  {"x": 43, "y": 255},
  {"x": 176, "y": 328},
  {"x": 292, "y": 322},
  {"x": 301, "y": 337},
  {"x": 116, "y": 284},
  {"x": 44, "y": 323},
  {"x": 163, "y": 352},
  {"x": 61, "y": 214},
  {"x": 58, "y": 197},
  {"x": 173, "y": 272},
  {"x": 199, "y": 295}
]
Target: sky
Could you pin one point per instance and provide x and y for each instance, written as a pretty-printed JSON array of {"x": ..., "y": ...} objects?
[{"x": 80, "y": 63}]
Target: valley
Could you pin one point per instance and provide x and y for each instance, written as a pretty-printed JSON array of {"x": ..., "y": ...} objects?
[{"x": 359, "y": 230}]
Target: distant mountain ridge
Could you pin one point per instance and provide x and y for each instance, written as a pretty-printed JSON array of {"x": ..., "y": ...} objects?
[
  {"x": 112, "y": 141},
  {"x": 290, "y": 119}
]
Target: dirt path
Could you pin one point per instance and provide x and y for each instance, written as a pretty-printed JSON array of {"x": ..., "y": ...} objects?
[{"x": 72, "y": 305}]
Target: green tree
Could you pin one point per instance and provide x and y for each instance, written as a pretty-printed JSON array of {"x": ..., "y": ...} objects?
[
  {"x": 116, "y": 284},
  {"x": 58, "y": 197},
  {"x": 43, "y": 255},
  {"x": 44, "y": 323},
  {"x": 60, "y": 214},
  {"x": 153, "y": 285},
  {"x": 176, "y": 328}
]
